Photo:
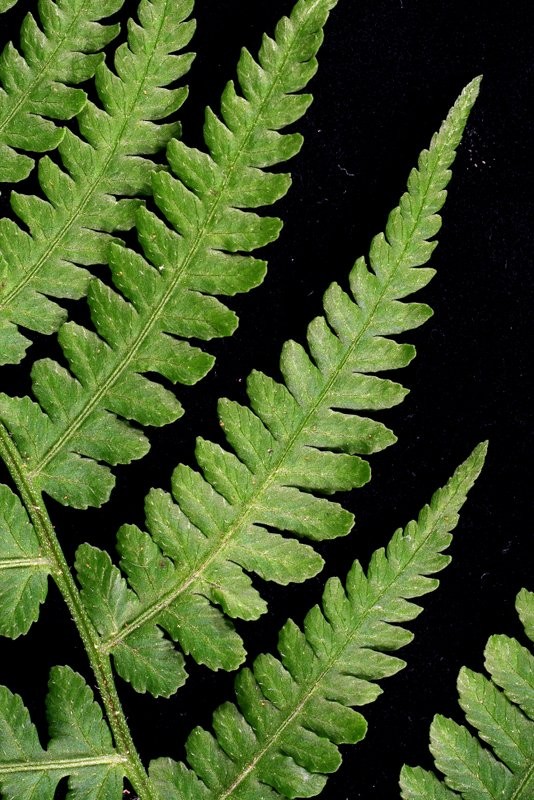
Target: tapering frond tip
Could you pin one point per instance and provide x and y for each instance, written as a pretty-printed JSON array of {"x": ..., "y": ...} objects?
[
  {"x": 293, "y": 713},
  {"x": 463, "y": 480},
  {"x": 455, "y": 492},
  {"x": 467, "y": 98},
  {"x": 471, "y": 468},
  {"x": 473, "y": 88},
  {"x": 314, "y": 8},
  {"x": 456, "y": 120}
]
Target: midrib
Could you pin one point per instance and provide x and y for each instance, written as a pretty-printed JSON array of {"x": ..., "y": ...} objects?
[
  {"x": 54, "y": 243},
  {"x": 62, "y": 764},
  {"x": 45, "y": 64},
  {"x": 132, "y": 348},
  {"x": 18, "y": 563},
  {"x": 260, "y": 488},
  {"x": 308, "y": 694},
  {"x": 524, "y": 784}
]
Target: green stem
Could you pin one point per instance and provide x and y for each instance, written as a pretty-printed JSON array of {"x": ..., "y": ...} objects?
[{"x": 100, "y": 663}]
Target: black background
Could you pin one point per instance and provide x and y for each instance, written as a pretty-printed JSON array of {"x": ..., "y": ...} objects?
[{"x": 389, "y": 71}]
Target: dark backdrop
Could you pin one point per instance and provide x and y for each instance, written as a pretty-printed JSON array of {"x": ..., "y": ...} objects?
[{"x": 389, "y": 71}]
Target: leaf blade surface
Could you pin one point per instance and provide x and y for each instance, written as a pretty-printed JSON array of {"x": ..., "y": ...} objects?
[
  {"x": 104, "y": 170},
  {"x": 282, "y": 738},
  {"x": 148, "y": 331},
  {"x": 80, "y": 745},
  {"x": 24, "y": 569},
  {"x": 299, "y": 442},
  {"x": 501, "y": 711},
  {"x": 35, "y": 83}
]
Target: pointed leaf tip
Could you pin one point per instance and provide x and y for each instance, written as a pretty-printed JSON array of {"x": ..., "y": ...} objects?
[{"x": 471, "y": 468}]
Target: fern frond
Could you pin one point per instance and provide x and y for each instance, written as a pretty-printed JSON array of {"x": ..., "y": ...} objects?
[
  {"x": 80, "y": 745},
  {"x": 74, "y": 227},
  {"x": 501, "y": 710},
  {"x": 297, "y": 440},
  {"x": 171, "y": 302},
  {"x": 34, "y": 90},
  {"x": 24, "y": 569},
  {"x": 293, "y": 713}
]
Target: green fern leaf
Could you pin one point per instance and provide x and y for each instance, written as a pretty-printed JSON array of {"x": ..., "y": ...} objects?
[
  {"x": 502, "y": 711},
  {"x": 64, "y": 51},
  {"x": 5, "y": 5},
  {"x": 418, "y": 784},
  {"x": 146, "y": 659},
  {"x": 295, "y": 712},
  {"x": 296, "y": 441},
  {"x": 80, "y": 745},
  {"x": 525, "y": 609},
  {"x": 74, "y": 227},
  {"x": 512, "y": 668},
  {"x": 23, "y": 568},
  {"x": 79, "y": 427}
]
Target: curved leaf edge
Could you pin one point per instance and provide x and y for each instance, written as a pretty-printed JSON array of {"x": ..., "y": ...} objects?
[
  {"x": 282, "y": 738},
  {"x": 498, "y": 761},
  {"x": 291, "y": 451}
]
